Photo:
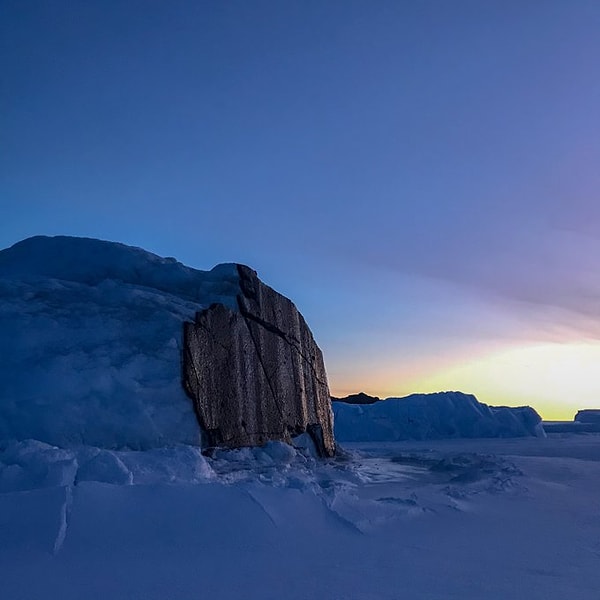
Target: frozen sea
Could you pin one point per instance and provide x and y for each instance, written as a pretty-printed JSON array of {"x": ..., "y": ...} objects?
[{"x": 449, "y": 519}]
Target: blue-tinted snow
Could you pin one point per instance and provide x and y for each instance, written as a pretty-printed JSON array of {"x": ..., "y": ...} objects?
[
  {"x": 90, "y": 339},
  {"x": 500, "y": 519},
  {"x": 89, "y": 261},
  {"x": 432, "y": 416}
]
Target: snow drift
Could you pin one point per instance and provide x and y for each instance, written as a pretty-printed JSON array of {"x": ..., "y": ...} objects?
[{"x": 432, "y": 416}]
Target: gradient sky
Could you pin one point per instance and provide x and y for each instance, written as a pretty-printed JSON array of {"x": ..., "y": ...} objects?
[{"x": 420, "y": 177}]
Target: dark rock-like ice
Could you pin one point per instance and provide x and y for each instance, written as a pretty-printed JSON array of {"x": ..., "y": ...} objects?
[
  {"x": 360, "y": 398},
  {"x": 255, "y": 373}
]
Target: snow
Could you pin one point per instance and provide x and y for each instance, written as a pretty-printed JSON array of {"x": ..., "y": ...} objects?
[
  {"x": 588, "y": 416},
  {"x": 456, "y": 519},
  {"x": 89, "y": 261},
  {"x": 31, "y": 464},
  {"x": 571, "y": 427},
  {"x": 90, "y": 335},
  {"x": 432, "y": 416}
]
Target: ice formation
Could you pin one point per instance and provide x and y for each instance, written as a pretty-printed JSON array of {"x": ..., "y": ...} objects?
[
  {"x": 91, "y": 340},
  {"x": 432, "y": 416}
]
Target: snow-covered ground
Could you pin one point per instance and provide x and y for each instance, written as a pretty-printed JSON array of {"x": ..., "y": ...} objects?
[{"x": 450, "y": 519}]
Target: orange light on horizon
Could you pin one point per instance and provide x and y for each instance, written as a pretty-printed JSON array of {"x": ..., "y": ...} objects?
[{"x": 557, "y": 379}]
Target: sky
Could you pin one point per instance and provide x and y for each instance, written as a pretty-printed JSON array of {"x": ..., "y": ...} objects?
[{"x": 420, "y": 177}]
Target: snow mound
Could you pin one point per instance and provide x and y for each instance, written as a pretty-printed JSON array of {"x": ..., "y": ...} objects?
[
  {"x": 89, "y": 261},
  {"x": 432, "y": 416},
  {"x": 90, "y": 339},
  {"x": 30, "y": 465}
]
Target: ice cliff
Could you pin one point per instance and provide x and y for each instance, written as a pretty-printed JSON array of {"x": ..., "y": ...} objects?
[{"x": 91, "y": 339}]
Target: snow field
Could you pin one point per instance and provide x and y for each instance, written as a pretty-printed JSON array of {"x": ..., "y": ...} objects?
[{"x": 454, "y": 519}]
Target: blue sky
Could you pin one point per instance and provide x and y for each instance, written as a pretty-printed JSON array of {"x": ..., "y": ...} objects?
[{"x": 421, "y": 177}]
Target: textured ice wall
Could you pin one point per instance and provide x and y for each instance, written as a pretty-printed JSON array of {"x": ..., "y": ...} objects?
[{"x": 257, "y": 374}]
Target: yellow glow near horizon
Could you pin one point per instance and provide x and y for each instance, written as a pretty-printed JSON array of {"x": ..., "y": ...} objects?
[{"x": 556, "y": 379}]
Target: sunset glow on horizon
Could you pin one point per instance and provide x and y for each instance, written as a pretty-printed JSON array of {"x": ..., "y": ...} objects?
[{"x": 556, "y": 379}]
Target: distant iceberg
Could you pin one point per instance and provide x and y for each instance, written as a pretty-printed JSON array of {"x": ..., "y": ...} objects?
[
  {"x": 432, "y": 416},
  {"x": 588, "y": 415}
]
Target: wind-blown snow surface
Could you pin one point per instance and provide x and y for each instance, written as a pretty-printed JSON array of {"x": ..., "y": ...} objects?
[
  {"x": 90, "y": 339},
  {"x": 432, "y": 416},
  {"x": 450, "y": 519}
]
